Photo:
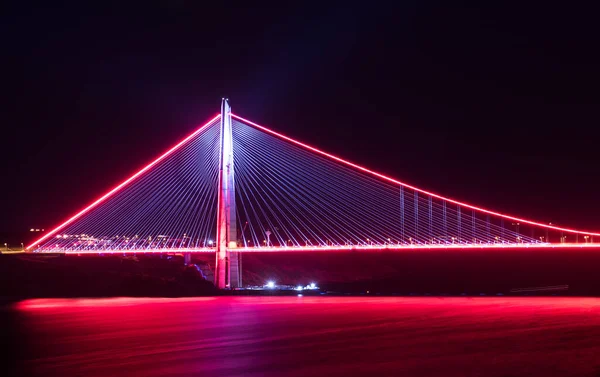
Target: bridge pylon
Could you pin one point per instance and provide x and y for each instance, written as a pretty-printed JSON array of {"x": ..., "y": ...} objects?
[{"x": 227, "y": 268}]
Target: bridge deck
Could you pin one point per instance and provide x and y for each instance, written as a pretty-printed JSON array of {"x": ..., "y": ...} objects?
[{"x": 367, "y": 248}]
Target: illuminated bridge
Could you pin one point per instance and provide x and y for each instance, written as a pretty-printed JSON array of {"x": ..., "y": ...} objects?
[{"x": 234, "y": 186}]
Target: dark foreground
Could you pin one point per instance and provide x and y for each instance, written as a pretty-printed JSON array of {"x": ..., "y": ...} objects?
[
  {"x": 306, "y": 336},
  {"x": 456, "y": 272}
]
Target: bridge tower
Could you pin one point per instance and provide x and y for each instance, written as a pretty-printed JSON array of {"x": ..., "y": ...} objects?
[{"x": 227, "y": 268}]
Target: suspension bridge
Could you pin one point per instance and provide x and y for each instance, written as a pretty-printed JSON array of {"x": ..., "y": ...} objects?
[{"x": 234, "y": 186}]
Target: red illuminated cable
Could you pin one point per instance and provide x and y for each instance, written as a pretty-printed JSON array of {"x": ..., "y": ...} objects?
[
  {"x": 124, "y": 183},
  {"x": 335, "y": 158}
]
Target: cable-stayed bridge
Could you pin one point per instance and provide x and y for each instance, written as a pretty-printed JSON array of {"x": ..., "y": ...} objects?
[{"x": 234, "y": 186}]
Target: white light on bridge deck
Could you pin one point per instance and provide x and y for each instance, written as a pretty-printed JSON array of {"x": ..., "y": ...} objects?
[{"x": 270, "y": 284}]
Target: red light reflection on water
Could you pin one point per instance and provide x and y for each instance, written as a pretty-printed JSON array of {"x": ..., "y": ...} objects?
[
  {"x": 302, "y": 336},
  {"x": 42, "y": 303}
]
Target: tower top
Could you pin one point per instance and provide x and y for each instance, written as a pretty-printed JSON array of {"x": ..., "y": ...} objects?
[{"x": 225, "y": 107}]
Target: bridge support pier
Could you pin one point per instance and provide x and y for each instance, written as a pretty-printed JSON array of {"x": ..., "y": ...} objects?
[
  {"x": 187, "y": 258},
  {"x": 235, "y": 270}
]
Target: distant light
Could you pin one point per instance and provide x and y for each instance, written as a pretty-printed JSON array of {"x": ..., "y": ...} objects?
[
  {"x": 299, "y": 294},
  {"x": 312, "y": 285},
  {"x": 210, "y": 242},
  {"x": 270, "y": 284},
  {"x": 299, "y": 288}
]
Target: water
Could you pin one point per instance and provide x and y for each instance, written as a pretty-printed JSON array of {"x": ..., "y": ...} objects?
[{"x": 306, "y": 336}]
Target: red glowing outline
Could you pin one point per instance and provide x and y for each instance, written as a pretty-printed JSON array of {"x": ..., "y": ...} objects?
[
  {"x": 374, "y": 248},
  {"x": 123, "y": 184},
  {"x": 133, "y": 251},
  {"x": 409, "y": 186},
  {"x": 416, "y": 247}
]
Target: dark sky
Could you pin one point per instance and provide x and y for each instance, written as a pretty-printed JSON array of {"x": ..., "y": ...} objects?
[{"x": 498, "y": 106}]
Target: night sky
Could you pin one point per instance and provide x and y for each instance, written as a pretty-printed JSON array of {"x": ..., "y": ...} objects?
[{"x": 495, "y": 106}]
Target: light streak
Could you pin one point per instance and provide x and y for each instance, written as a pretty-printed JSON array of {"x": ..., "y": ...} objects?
[{"x": 374, "y": 248}]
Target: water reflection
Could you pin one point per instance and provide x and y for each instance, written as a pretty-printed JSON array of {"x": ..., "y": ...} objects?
[{"x": 305, "y": 336}]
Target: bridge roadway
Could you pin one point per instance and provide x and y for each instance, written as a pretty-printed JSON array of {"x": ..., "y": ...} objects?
[{"x": 350, "y": 248}]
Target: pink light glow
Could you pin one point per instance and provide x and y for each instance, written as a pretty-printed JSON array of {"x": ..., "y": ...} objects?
[
  {"x": 374, "y": 248},
  {"x": 54, "y": 303},
  {"x": 136, "y": 251},
  {"x": 123, "y": 184},
  {"x": 420, "y": 247},
  {"x": 409, "y": 186}
]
